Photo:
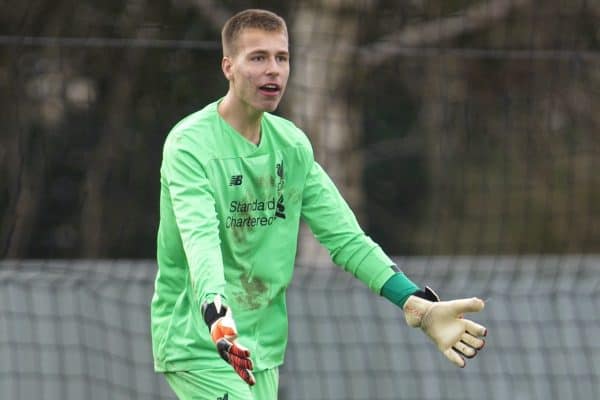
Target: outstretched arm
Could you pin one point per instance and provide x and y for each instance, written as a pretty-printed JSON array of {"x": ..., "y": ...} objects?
[{"x": 335, "y": 226}]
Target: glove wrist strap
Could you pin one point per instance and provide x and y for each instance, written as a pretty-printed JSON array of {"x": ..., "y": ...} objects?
[
  {"x": 211, "y": 314},
  {"x": 427, "y": 294}
]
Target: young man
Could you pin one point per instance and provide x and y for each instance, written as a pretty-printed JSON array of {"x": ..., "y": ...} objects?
[{"x": 235, "y": 183}]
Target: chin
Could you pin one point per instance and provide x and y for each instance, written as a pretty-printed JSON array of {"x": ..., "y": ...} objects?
[{"x": 269, "y": 107}]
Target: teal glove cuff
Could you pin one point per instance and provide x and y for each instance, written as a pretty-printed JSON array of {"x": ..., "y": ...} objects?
[{"x": 398, "y": 289}]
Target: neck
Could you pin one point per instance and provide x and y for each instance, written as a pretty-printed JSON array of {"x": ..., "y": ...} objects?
[{"x": 243, "y": 118}]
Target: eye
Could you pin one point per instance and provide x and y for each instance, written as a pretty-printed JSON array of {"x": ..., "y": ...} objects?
[
  {"x": 257, "y": 57},
  {"x": 282, "y": 58}
]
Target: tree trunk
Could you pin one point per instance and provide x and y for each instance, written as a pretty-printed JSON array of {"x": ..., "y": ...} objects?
[{"x": 324, "y": 37}]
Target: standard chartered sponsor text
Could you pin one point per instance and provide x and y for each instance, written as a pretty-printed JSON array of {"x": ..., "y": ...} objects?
[{"x": 249, "y": 221}]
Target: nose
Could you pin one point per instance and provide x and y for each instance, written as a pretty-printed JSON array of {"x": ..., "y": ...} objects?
[{"x": 273, "y": 67}]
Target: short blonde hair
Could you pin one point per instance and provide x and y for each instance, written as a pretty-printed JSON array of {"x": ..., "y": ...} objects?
[{"x": 249, "y": 19}]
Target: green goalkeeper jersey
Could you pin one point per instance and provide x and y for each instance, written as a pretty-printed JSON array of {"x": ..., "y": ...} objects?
[{"x": 229, "y": 219}]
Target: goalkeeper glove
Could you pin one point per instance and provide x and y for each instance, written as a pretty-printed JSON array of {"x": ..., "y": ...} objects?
[
  {"x": 223, "y": 333},
  {"x": 443, "y": 322}
]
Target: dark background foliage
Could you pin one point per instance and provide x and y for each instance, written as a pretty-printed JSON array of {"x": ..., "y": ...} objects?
[{"x": 478, "y": 133}]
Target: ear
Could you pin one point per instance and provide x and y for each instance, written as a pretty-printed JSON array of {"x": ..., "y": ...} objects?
[{"x": 227, "y": 66}]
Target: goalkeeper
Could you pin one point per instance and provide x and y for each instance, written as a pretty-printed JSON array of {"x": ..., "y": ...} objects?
[{"x": 235, "y": 183}]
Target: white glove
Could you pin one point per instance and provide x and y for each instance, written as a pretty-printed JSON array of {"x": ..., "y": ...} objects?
[{"x": 443, "y": 322}]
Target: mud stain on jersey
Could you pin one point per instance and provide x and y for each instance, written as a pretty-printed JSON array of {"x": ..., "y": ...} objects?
[
  {"x": 255, "y": 293},
  {"x": 265, "y": 182}
]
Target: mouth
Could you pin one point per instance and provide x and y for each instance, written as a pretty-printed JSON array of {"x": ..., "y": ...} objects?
[{"x": 270, "y": 89}]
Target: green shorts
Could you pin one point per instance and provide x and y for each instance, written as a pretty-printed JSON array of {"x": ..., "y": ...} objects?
[{"x": 223, "y": 385}]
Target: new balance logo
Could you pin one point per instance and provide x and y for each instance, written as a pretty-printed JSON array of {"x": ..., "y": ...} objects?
[
  {"x": 225, "y": 397},
  {"x": 236, "y": 180}
]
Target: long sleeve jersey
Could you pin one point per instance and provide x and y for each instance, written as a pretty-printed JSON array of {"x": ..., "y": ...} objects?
[{"x": 229, "y": 218}]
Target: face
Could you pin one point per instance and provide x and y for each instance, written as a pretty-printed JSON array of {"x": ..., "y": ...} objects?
[{"x": 259, "y": 70}]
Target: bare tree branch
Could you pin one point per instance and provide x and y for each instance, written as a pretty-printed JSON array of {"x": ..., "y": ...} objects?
[{"x": 431, "y": 32}]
